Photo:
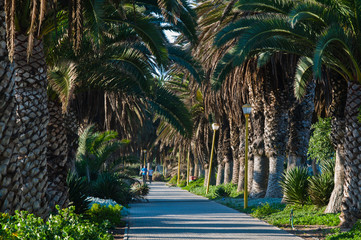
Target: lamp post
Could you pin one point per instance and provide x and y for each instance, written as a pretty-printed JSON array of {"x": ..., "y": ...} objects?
[
  {"x": 247, "y": 108},
  {"x": 215, "y": 127}
]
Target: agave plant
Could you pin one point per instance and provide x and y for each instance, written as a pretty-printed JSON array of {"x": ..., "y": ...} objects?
[
  {"x": 321, "y": 185},
  {"x": 294, "y": 184}
]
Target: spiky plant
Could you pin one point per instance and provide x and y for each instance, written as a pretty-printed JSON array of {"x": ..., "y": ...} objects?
[
  {"x": 294, "y": 184},
  {"x": 321, "y": 185}
]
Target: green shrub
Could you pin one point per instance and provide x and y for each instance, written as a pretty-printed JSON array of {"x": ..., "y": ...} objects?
[
  {"x": 157, "y": 176},
  {"x": 65, "y": 225},
  {"x": 109, "y": 186},
  {"x": 139, "y": 191},
  {"x": 294, "y": 184},
  {"x": 182, "y": 183},
  {"x": 173, "y": 180},
  {"x": 78, "y": 192},
  {"x": 320, "y": 145},
  {"x": 221, "y": 191},
  {"x": 99, "y": 214}
]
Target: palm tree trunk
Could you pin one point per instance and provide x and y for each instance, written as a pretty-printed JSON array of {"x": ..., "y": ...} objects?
[
  {"x": 227, "y": 172},
  {"x": 227, "y": 153},
  {"x": 351, "y": 203},
  {"x": 275, "y": 141},
  {"x": 337, "y": 112},
  {"x": 220, "y": 171},
  {"x": 57, "y": 157},
  {"x": 234, "y": 134},
  {"x": 10, "y": 175},
  {"x": 260, "y": 168},
  {"x": 31, "y": 95},
  {"x": 300, "y": 119}
]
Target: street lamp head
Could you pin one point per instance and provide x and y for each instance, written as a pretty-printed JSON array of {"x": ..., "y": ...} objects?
[
  {"x": 215, "y": 126},
  {"x": 247, "y": 108},
  {"x": 144, "y": 151}
]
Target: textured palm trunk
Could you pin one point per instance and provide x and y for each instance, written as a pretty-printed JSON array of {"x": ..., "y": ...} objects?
[
  {"x": 220, "y": 172},
  {"x": 276, "y": 119},
  {"x": 33, "y": 117},
  {"x": 351, "y": 203},
  {"x": 57, "y": 157},
  {"x": 227, "y": 172},
  {"x": 235, "y": 140},
  {"x": 10, "y": 175},
  {"x": 240, "y": 184},
  {"x": 300, "y": 119},
  {"x": 72, "y": 128},
  {"x": 219, "y": 155},
  {"x": 206, "y": 168},
  {"x": 227, "y": 154},
  {"x": 337, "y": 113},
  {"x": 260, "y": 167}
]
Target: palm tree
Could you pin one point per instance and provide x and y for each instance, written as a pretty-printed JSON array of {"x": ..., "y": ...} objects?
[{"x": 10, "y": 198}]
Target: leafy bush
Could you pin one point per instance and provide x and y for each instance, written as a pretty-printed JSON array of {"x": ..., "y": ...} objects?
[
  {"x": 139, "y": 191},
  {"x": 294, "y": 184},
  {"x": 99, "y": 214},
  {"x": 157, "y": 176},
  {"x": 78, "y": 192},
  {"x": 65, "y": 225},
  {"x": 182, "y": 183},
  {"x": 221, "y": 192},
  {"x": 109, "y": 186},
  {"x": 173, "y": 180},
  {"x": 320, "y": 146}
]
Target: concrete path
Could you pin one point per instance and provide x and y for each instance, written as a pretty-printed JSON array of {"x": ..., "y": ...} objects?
[{"x": 173, "y": 213}]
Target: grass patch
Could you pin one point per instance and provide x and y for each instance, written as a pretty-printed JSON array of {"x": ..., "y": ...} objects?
[
  {"x": 303, "y": 215},
  {"x": 354, "y": 233}
]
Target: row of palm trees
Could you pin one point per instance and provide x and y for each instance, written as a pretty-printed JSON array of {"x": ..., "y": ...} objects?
[
  {"x": 290, "y": 60},
  {"x": 105, "y": 61}
]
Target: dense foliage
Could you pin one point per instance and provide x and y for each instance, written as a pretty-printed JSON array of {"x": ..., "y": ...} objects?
[
  {"x": 99, "y": 214},
  {"x": 320, "y": 146},
  {"x": 65, "y": 225}
]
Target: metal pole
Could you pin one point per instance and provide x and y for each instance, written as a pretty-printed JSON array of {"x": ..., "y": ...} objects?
[
  {"x": 210, "y": 161},
  {"x": 188, "y": 167},
  {"x": 179, "y": 160},
  {"x": 246, "y": 167}
]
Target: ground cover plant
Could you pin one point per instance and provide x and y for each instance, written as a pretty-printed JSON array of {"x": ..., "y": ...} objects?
[
  {"x": 224, "y": 190},
  {"x": 354, "y": 233},
  {"x": 64, "y": 225}
]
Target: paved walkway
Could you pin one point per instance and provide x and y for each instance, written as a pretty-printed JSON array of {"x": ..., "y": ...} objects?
[{"x": 173, "y": 213}]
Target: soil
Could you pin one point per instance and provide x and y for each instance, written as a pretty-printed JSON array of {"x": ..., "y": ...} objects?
[{"x": 310, "y": 231}]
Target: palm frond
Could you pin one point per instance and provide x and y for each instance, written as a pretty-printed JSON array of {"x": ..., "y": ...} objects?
[{"x": 302, "y": 76}]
